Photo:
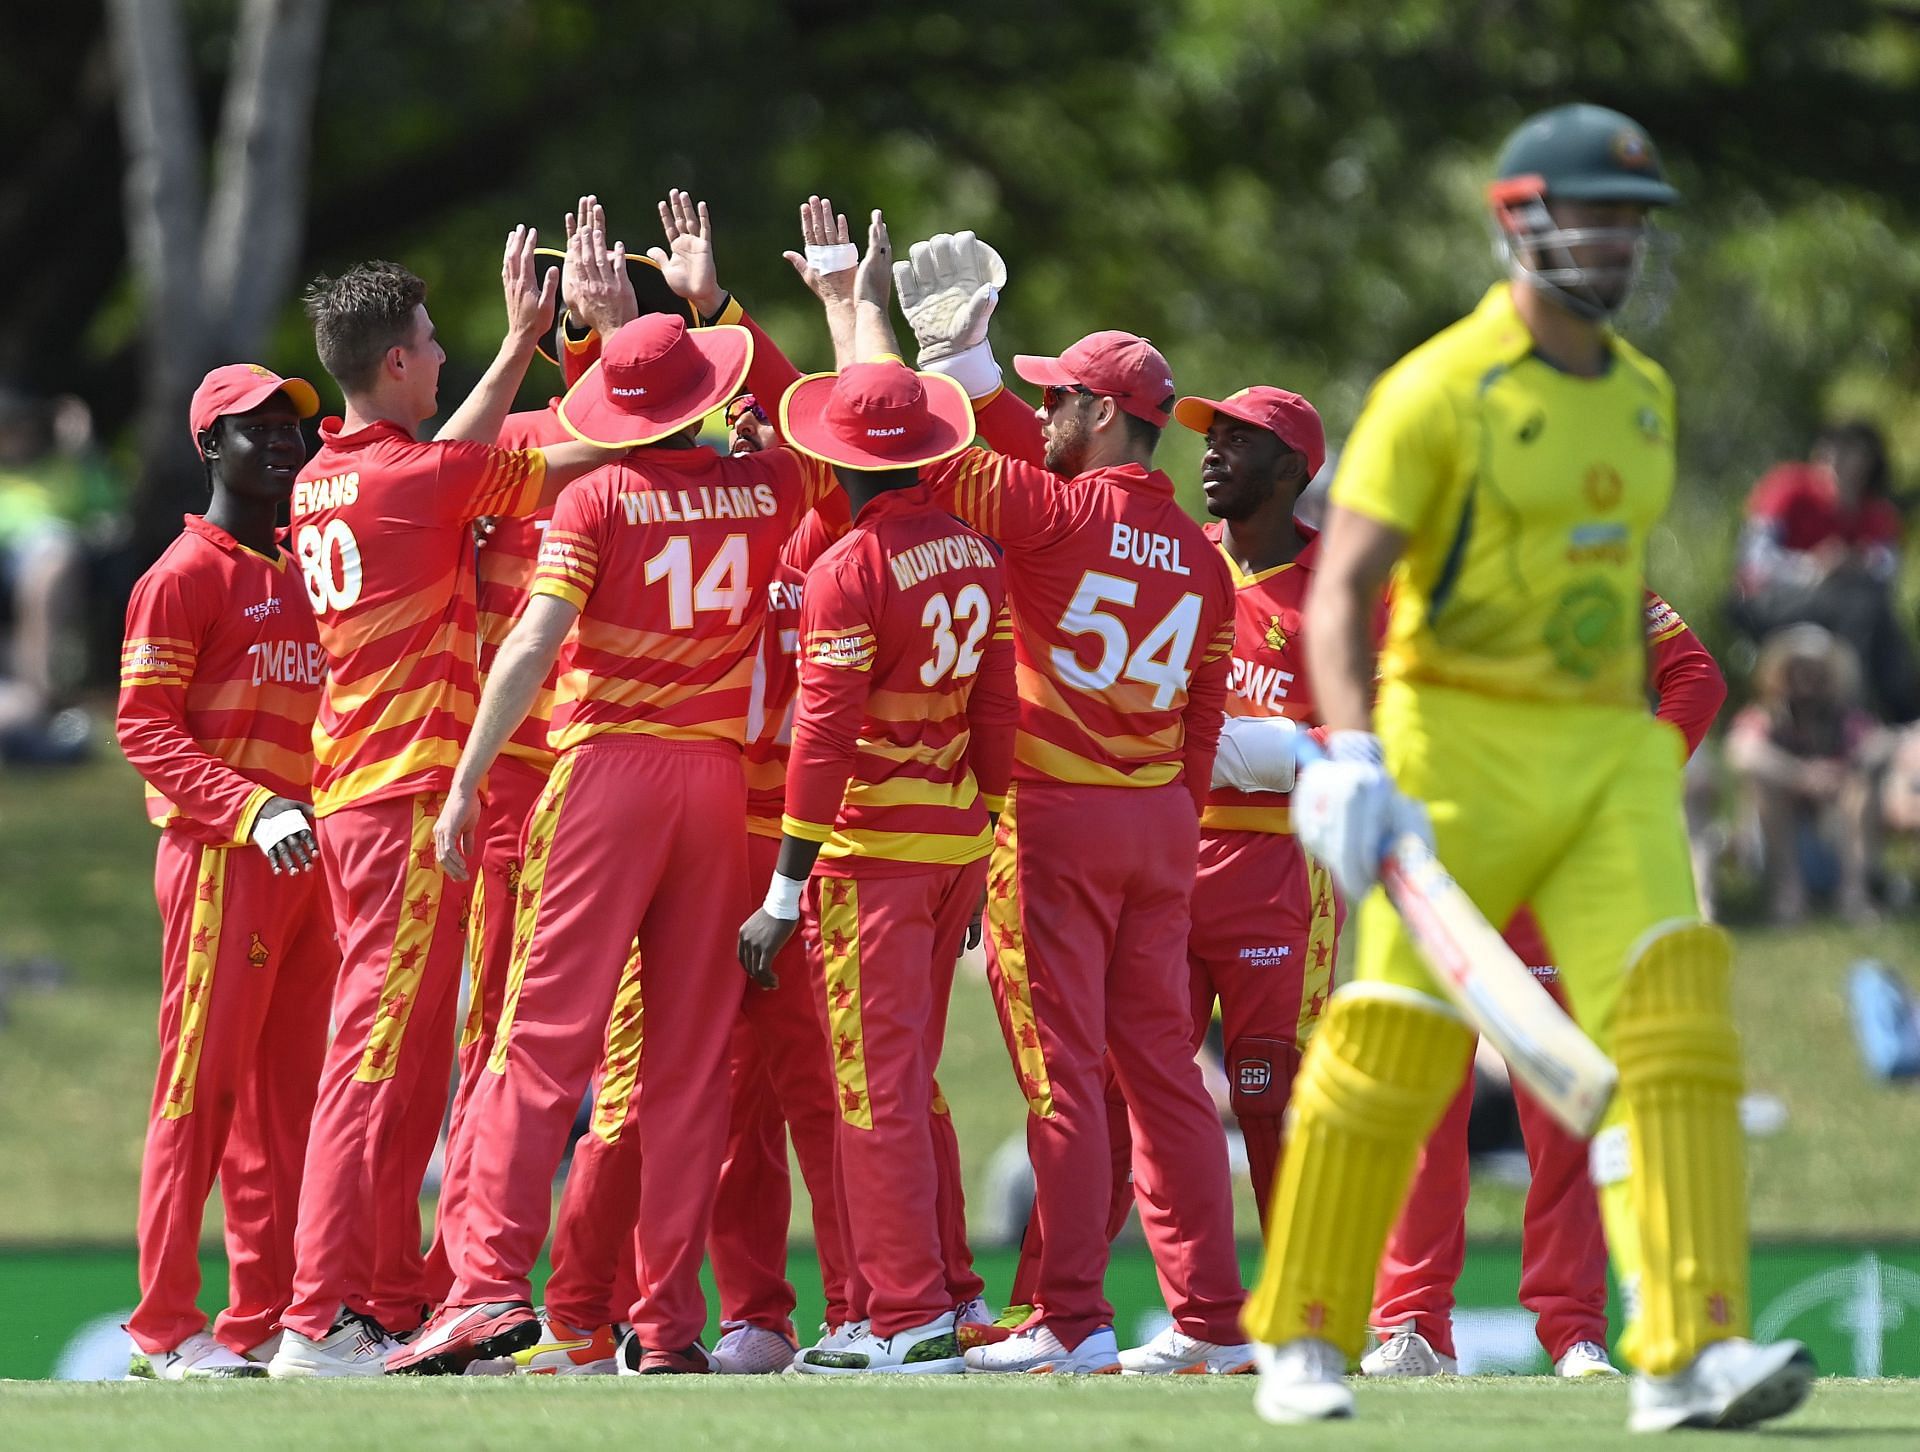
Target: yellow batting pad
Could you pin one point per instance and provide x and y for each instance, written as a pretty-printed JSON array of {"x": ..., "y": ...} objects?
[
  {"x": 1673, "y": 1171},
  {"x": 1376, "y": 1078}
]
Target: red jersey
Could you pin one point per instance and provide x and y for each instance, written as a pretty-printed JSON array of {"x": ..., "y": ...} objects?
[
  {"x": 1268, "y": 676},
  {"x": 1800, "y": 505},
  {"x": 903, "y": 734},
  {"x": 503, "y": 569},
  {"x": 776, "y": 677},
  {"x": 667, "y": 555},
  {"x": 1688, "y": 687},
  {"x": 220, "y": 678},
  {"x": 1122, "y": 617},
  {"x": 776, "y": 674},
  {"x": 380, "y": 530}
]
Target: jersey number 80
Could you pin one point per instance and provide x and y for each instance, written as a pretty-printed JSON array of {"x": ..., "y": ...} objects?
[{"x": 316, "y": 549}]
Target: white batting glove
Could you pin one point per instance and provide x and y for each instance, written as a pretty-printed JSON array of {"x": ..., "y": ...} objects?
[
  {"x": 949, "y": 286},
  {"x": 1256, "y": 754},
  {"x": 1347, "y": 811}
]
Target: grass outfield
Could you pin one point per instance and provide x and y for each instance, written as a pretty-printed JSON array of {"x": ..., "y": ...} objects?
[
  {"x": 76, "y": 1065},
  {"x": 1472, "y": 1414}
]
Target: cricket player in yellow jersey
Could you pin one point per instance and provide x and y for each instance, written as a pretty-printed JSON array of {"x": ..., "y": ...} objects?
[{"x": 1506, "y": 475}]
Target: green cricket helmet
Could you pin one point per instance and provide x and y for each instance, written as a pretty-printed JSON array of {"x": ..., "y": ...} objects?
[{"x": 1576, "y": 153}]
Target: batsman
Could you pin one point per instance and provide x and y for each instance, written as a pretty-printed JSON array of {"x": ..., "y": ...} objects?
[{"x": 1506, "y": 475}]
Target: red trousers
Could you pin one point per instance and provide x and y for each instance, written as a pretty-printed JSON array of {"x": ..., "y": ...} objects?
[
  {"x": 1262, "y": 945},
  {"x": 635, "y": 837},
  {"x": 247, "y": 964},
  {"x": 1089, "y": 959},
  {"x": 1563, "y": 1254},
  {"x": 513, "y": 786},
  {"x": 782, "y": 1084},
  {"x": 883, "y": 944},
  {"x": 383, "y": 1086}
]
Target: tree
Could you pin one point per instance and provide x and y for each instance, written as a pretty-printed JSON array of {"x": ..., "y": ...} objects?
[{"x": 214, "y": 276}]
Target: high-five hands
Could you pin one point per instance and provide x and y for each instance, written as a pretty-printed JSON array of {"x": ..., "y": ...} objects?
[
  {"x": 828, "y": 263},
  {"x": 949, "y": 286},
  {"x": 594, "y": 284},
  {"x": 530, "y": 297},
  {"x": 686, "y": 262}
]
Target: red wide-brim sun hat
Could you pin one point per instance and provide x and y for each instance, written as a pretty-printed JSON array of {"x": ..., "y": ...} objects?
[
  {"x": 599, "y": 412},
  {"x": 912, "y": 433}
]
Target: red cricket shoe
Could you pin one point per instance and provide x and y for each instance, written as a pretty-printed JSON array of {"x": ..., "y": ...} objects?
[
  {"x": 457, "y": 1335},
  {"x": 638, "y": 1360}
]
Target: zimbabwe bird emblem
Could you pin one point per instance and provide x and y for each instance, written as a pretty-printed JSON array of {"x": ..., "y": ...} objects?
[{"x": 1276, "y": 637}]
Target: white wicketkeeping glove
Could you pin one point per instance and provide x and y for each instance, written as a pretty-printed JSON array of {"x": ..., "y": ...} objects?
[
  {"x": 948, "y": 286},
  {"x": 1347, "y": 811},
  {"x": 1256, "y": 754}
]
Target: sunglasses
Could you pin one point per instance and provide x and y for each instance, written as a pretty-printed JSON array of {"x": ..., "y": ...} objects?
[
  {"x": 1054, "y": 394},
  {"x": 742, "y": 405}
]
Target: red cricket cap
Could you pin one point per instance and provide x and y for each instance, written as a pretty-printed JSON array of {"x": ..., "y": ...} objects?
[
  {"x": 654, "y": 377},
  {"x": 241, "y": 388},
  {"x": 1123, "y": 367},
  {"x": 877, "y": 416},
  {"x": 1287, "y": 416}
]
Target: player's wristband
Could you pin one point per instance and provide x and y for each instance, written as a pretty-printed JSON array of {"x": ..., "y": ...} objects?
[
  {"x": 974, "y": 369},
  {"x": 270, "y": 832},
  {"x": 783, "y": 897},
  {"x": 834, "y": 257}
]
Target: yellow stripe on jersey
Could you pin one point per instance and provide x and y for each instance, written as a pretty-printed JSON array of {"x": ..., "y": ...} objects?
[
  {"x": 620, "y": 1071},
  {"x": 935, "y": 848},
  {"x": 840, "y": 950},
  {"x": 419, "y": 909},
  {"x": 1010, "y": 960},
  {"x": 1060, "y": 764},
  {"x": 344, "y": 791},
  {"x": 533, "y": 881},
  {"x": 1317, "y": 978},
  {"x": 203, "y": 948},
  {"x": 1275, "y": 821}
]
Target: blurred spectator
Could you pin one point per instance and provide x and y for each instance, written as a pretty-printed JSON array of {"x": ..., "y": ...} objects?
[
  {"x": 1821, "y": 544},
  {"x": 1805, "y": 755},
  {"x": 56, "y": 504}
]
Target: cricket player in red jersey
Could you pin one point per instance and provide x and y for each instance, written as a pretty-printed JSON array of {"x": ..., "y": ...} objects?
[
  {"x": 1123, "y": 614},
  {"x": 661, "y": 563},
  {"x": 381, "y": 528},
  {"x": 1265, "y": 919},
  {"x": 1563, "y": 1248},
  {"x": 219, "y": 681},
  {"x": 902, "y": 745}
]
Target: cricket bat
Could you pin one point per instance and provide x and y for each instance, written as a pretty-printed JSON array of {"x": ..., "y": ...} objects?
[{"x": 1546, "y": 1050}]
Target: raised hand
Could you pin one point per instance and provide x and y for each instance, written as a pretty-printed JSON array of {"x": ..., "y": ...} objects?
[
  {"x": 530, "y": 298},
  {"x": 873, "y": 282},
  {"x": 821, "y": 228},
  {"x": 603, "y": 297},
  {"x": 687, "y": 260},
  {"x": 949, "y": 286}
]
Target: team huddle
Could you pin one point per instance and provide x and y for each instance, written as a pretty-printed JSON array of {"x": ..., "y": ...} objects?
[{"x": 708, "y": 766}]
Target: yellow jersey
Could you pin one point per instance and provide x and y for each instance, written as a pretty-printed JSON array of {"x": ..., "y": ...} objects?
[{"x": 1526, "y": 495}]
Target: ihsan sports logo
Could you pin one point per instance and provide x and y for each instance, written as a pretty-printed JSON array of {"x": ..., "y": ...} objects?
[{"x": 1258, "y": 957}]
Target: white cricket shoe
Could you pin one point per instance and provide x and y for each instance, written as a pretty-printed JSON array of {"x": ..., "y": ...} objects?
[
  {"x": 1584, "y": 1360},
  {"x": 840, "y": 1337},
  {"x": 564, "y": 1350},
  {"x": 1731, "y": 1383},
  {"x": 1405, "y": 1352},
  {"x": 931, "y": 1348},
  {"x": 264, "y": 1352},
  {"x": 749, "y": 1350},
  {"x": 198, "y": 1358},
  {"x": 1037, "y": 1349},
  {"x": 1173, "y": 1352},
  {"x": 1303, "y": 1381},
  {"x": 353, "y": 1346}
]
